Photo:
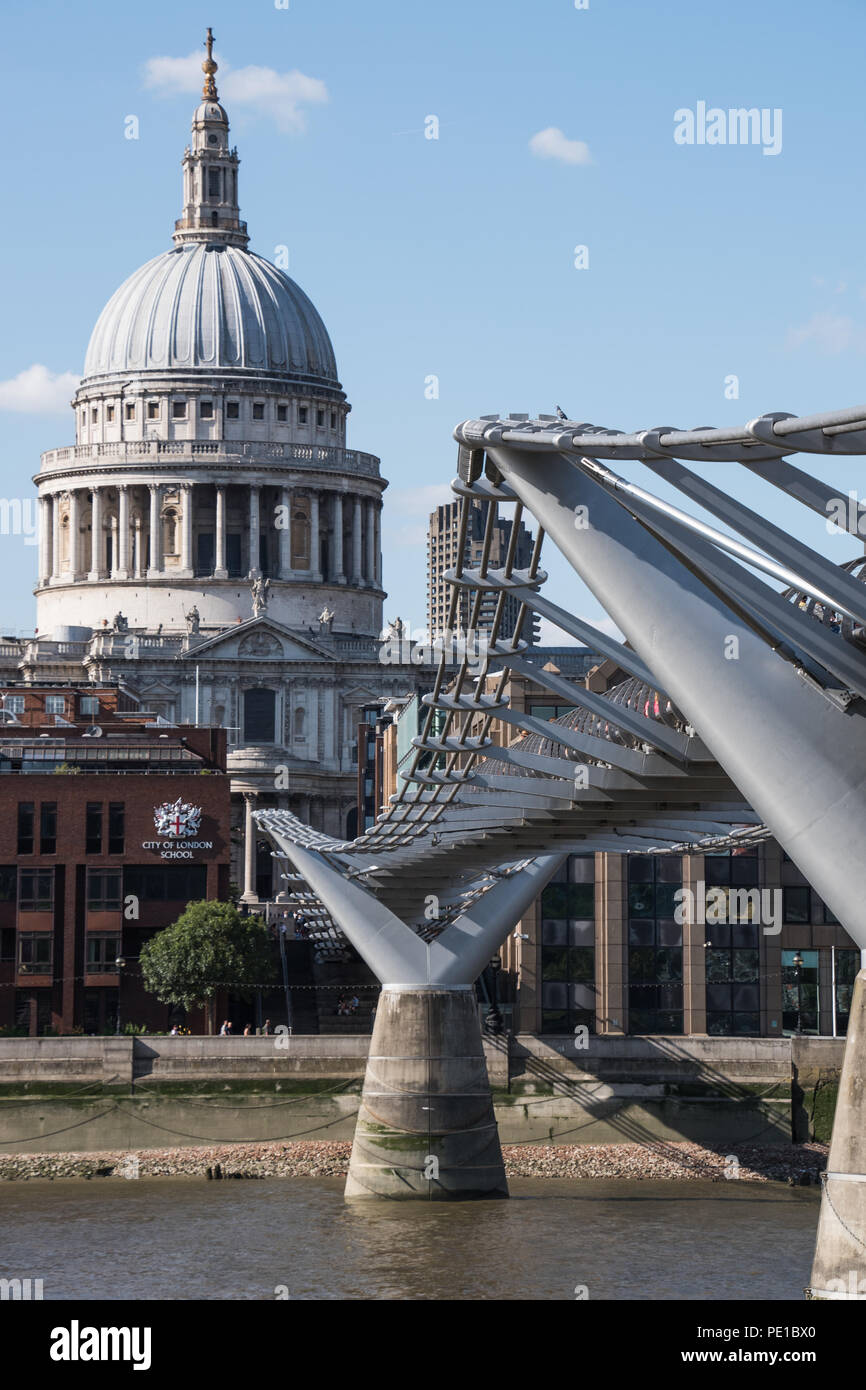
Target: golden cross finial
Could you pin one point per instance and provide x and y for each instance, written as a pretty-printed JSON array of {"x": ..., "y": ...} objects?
[{"x": 209, "y": 67}]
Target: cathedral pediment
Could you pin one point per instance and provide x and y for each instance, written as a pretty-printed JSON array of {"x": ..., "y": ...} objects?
[
  {"x": 149, "y": 690},
  {"x": 360, "y": 695},
  {"x": 258, "y": 639}
]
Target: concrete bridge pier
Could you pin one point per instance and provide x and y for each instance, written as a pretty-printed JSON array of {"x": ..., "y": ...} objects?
[
  {"x": 426, "y": 1127},
  {"x": 839, "y": 1267}
]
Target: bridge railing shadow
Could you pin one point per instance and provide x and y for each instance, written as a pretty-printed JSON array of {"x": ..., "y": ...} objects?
[{"x": 668, "y": 1069}]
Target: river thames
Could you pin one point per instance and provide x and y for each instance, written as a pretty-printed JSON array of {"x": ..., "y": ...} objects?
[{"x": 295, "y": 1238}]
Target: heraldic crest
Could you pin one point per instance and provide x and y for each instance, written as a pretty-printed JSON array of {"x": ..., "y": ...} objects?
[{"x": 177, "y": 818}]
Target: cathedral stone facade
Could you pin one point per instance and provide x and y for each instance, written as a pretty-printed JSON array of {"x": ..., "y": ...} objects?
[{"x": 209, "y": 539}]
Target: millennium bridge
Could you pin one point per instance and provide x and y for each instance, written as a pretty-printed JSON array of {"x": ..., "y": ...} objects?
[{"x": 742, "y": 716}]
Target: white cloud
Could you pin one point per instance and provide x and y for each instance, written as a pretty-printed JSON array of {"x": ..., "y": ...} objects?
[
  {"x": 553, "y": 144},
  {"x": 175, "y": 74},
  {"x": 37, "y": 390},
  {"x": 830, "y": 333},
  {"x": 281, "y": 96}
]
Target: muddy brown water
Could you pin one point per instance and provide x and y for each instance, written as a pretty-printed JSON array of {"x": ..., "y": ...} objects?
[{"x": 185, "y": 1238}]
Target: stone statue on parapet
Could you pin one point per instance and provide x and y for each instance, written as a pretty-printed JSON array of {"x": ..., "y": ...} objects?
[
  {"x": 119, "y": 623},
  {"x": 259, "y": 588},
  {"x": 193, "y": 619}
]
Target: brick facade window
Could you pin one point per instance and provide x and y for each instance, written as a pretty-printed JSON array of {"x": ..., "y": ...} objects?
[
  {"x": 93, "y": 827},
  {"x": 102, "y": 954},
  {"x": 103, "y": 890},
  {"x": 48, "y": 827},
  {"x": 36, "y": 951},
  {"x": 116, "y": 827},
  {"x": 26, "y": 823},
  {"x": 36, "y": 890}
]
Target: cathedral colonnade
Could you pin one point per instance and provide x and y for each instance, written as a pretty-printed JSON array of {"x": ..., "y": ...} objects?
[
  {"x": 215, "y": 530},
  {"x": 257, "y": 875}
]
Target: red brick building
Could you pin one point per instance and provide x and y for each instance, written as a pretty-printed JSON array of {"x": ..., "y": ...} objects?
[
  {"x": 50, "y": 706},
  {"x": 90, "y": 867}
]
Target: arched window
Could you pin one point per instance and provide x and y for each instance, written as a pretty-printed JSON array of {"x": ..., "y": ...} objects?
[
  {"x": 301, "y": 535},
  {"x": 170, "y": 531},
  {"x": 260, "y": 716}
]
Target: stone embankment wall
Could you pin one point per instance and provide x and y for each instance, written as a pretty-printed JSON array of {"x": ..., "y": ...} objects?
[{"x": 77, "y": 1093}]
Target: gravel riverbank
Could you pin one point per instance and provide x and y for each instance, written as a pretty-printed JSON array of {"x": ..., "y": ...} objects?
[{"x": 800, "y": 1164}]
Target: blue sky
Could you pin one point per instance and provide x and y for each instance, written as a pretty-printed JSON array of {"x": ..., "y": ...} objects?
[{"x": 455, "y": 257}]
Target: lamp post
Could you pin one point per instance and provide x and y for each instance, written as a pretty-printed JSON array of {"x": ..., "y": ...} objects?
[
  {"x": 120, "y": 962},
  {"x": 798, "y": 966},
  {"x": 493, "y": 1020},
  {"x": 283, "y": 928}
]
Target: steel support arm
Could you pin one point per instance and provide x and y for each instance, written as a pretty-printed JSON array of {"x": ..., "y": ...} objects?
[{"x": 797, "y": 759}]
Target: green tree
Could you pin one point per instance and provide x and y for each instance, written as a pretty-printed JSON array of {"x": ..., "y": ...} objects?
[{"x": 210, "y": 947}]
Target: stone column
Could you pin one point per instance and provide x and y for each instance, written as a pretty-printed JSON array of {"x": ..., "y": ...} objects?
[
  {"x": 312, "y": 726},
  {"x": 377, "y": 543},
  {"x": 370, "y": 569},
  {"x": 55, "y": 536},
  {"x": 329, "y": 718},
  {"x": 338, "y": 562},
  {"x": 112, "y": 574},
  {"x": 74, "y": 525},
  {"x": 695, "y": 935},
  {"x": 286, "y": 534},
  {"x": 155, "y": 565},
  {"x": 611, "y": 911},
  {"x": 357, "y": 574},
  {"x": 44, "y": 539},
  {"x": 186, "y": 530},
  {"x": 255, "y": 495},
  {"x": 220, "y": 571},
  {"x": 95, "y": 534},
  {"x": 122, "y": 568},
  {"x": 315, "y": 540},
  {"x": 137, "y": 555},
  {"x": 249, "y": 894},
  {"x": 771, "y": 949}
]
